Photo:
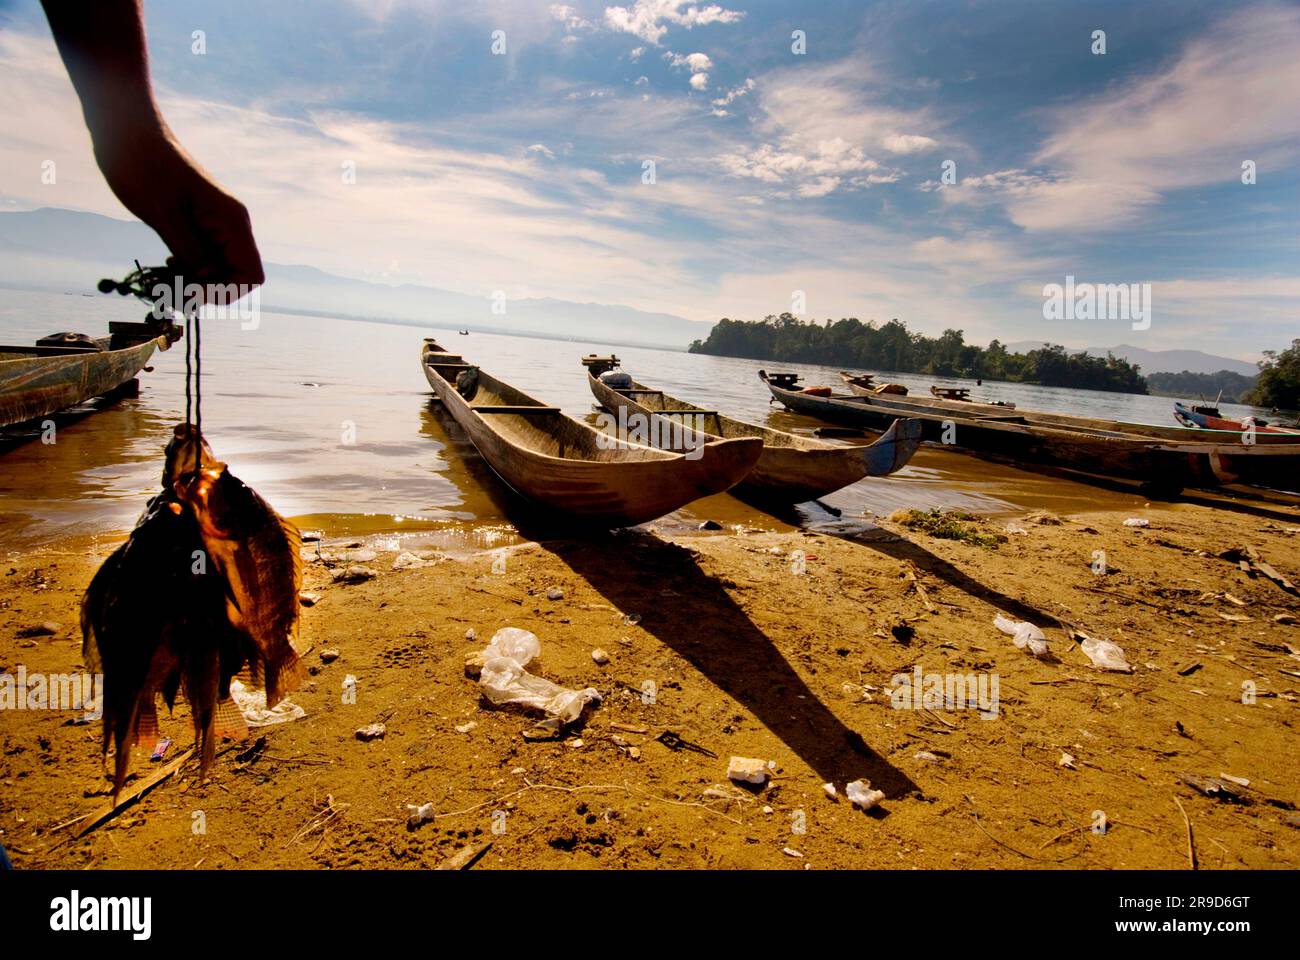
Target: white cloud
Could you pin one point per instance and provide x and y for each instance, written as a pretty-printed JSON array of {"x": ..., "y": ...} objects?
[
  {"x": 733, "y": 94},
  {"x": 647, "y": 19},
  {"x": 699, "y": 81},
  {"x": 543, "y": 149},
  {"x": 1116, "y": 157}
]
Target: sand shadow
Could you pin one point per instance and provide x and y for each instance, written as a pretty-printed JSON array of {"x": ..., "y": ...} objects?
[{"x": 633, "y": 570}]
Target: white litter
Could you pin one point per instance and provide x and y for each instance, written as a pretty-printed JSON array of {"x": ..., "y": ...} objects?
[
  {"x": 419, "y": 814},
  {"x": 861, "y": 795},
  {"x": 747, "y": 770},
  {"x": 830, "y": 791},
  {"x": 1023, "y": 634},
  {"x": 504, "y": 680},
  {"x": 1137, "y": 522},
  {"x": 1104, "y": 654},
  {"x": 252, "y": 704}
]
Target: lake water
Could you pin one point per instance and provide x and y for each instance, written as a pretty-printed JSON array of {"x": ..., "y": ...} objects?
[{"x": 278, "y": 401}]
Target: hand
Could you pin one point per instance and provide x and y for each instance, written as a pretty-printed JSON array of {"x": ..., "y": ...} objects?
[{"x": 207, "y": 230}]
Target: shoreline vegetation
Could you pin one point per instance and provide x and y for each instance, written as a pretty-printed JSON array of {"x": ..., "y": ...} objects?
[{"x": 892, "y": 346}]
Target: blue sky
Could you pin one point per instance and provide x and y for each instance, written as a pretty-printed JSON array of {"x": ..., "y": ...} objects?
[{"x": 775, "y": 172}]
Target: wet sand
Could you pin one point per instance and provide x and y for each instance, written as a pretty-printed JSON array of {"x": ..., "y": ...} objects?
[{"x": 749, "y": 658}]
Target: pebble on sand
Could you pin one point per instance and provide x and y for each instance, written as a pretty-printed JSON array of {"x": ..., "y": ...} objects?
[
  {"x": 373, "y": 731},
  {"x": 329, "y": 656},
  {"x": 554, "y": 593},
  {"x": 355, "y": 574},
  {"x": 600, "y": 656}
]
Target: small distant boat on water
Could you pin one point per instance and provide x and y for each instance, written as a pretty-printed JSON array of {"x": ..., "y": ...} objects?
[
  {"x": 1207, "y": 417},
  {"x": 463, "y": 333},
  {"x": 1163, "y": 459},
  {"x": 65, "y": 369},
  {"x": 570, "y": 466},
  {"x": 791, "y": 468}
]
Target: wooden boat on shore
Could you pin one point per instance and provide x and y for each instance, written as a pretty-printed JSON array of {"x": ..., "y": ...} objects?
[
  {"x": 914, "y": 406},
  {"x": 568, "y": 465},
  {"x": 1209, "y": 418},
  {"x": 64, "y": 370},
  {"x": 863, "y": 385},
  {"x": 791, "y": 468},
  {"x": 1163, "y": 459}
]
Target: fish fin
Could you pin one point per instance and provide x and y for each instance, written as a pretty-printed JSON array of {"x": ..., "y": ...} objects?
[
  {"x": 228, "y": 722},
  {"x": 146, "y": 719},
  {"x": 281, "y": 678}
]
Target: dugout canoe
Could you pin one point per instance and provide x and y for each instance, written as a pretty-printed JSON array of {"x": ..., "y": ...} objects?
[
  {"x": 1161, "y": 464},
  {"x": 1204, "y": 417},
  {"x": 791, "y": 468},
  {"x": 567, "y": 465},
  {"x": 64, "y": 370}
]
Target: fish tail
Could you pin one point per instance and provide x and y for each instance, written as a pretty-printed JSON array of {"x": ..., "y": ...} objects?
[
  {"x": 228, "y": 722},
  {"x": 146, "y": 719},
  {"x": 282, "y": 677}
]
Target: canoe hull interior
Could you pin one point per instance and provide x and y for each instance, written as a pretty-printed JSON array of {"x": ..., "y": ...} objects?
[
  {"x": 566, "y": 465},
  {"x": 35, "y": 386}
]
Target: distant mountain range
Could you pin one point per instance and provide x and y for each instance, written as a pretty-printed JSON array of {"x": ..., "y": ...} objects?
[
  {"x": 1156, "y": 361},
  {"x": 68, "y": 250}
]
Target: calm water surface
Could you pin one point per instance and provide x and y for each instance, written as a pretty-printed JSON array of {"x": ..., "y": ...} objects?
[{"x": 278, "y": 401}]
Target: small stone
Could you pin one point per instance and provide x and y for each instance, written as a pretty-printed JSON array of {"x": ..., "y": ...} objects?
[
  {"x": 1066, "y": 762},
  {"x": 576, "y": 744},
  {"x": 830, "y": 791},
  {"x": 600, "y": 656},
  {"x": 554, "y": 593},
  {"x": 925, "y": 756},
  {"x": 518, "y": 772},
  {"x": 373, "y": 731},
  {"x": 47, "y": 629},
  {"x": 789, "y": 852},
  {"x": 710, "y": 525},
  {"x": 768, "y": 810},
  {"x": 355, "y": 574},
  {"x": 329, "y": 656},
  {"x": 1285, "y": 618},
  {"x": 470, "y": 635},
  {"x": 466, "y": 727},
  {"x": 747, "y": 770},
  {"x": 308, "y": 599}
]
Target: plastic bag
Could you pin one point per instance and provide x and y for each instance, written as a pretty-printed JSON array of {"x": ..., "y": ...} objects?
[
  {"x": 505, "y": 681},
  {"x": 1023, "y": 634},
  {"x": 1105, "y": 654},
  {"x": 252, "y": 704}
]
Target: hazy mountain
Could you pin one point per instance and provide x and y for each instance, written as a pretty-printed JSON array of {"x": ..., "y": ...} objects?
[
  {"x": 1157, "y": 361},
  {"x": 67, "y": 250}
]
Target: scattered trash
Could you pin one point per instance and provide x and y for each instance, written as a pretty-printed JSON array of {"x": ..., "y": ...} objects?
[
  {"x": 465, "y": 857},
  {"x": 329, "y": 656},
  {"x": 632, "y": 619},
  {"x": 861, "y": 795},
  {"x": 312, "y": 536},
  {"x": 673, "y": 742},
  {"x": 1137, "y": 522},
  {"x": 1023, "y": 634},
  {"x": 1045, "y": 519},
  {"x": 474, "y": 664},
  {"x": 747, "y": 770},
  {"x": 554, "y": 593},
  {"x": 410, "y": 561},
  {"x": 419, "y": 814},
  {"x": 830, "y": 791},
  {"x": 252, "y": 704},
  {"x": 471, "y": 634},
  {"x": 577, "y": 744},
  {"x": 925, "y": 756},
  {"x": 1239, "y": 781},
  {"x": 503, "y": 679},
  {"x": 1066, "y": 761},
  {"x": 354, "y": 574},
  {"x": 629, "y": 727},
  {"x": 372, "y": 731},
  {"x": 308, "y": 599},
  {"x": 1104, "y": 654},
  {"x": 466, "y": 727},
  {"x": 1251, "y": 563},
  {"x": 160, "y": 749},
  {"x": 1236, "y": 618},
  {"x": 600, "y": 656},
  {"x": 1016, "y": 530},
  {"x": 1214, "y": 787},
  {"x": 792, "y": 853}
]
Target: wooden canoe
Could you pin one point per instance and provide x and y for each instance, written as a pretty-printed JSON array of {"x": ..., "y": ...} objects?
[
  {"x": 915, "y": 406},
  {"x": 1203, "y": 419},
  {"x": 791, "y": 468},
  {"x": 1161, "y": 464},
  {"x": 39, "y": 380},
  {"x": 570, "y": 466}
]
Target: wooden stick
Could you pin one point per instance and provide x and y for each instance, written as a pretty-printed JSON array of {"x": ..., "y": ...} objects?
[
  {"x": 111, "y": 810},
  {"x": 1191, "y": 844}
]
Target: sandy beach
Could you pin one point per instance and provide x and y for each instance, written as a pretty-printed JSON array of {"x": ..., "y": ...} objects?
[{"x": 775, "y": 644}]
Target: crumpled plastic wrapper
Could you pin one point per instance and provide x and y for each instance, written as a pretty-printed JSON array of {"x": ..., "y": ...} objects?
[{"x": 504, "y": 679}]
